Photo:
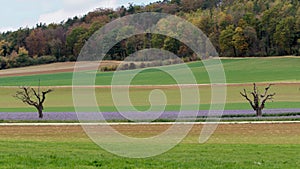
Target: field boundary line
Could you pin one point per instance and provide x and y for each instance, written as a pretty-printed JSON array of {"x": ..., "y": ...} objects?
[
  {"x": 171, "y": 85},
  {"x": 162, "y": 123}
]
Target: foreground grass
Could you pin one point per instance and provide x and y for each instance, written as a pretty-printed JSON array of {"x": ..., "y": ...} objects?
[
  {"x": 45, "y": 155},
  {"x": 236, "y": 70},
  {"x": 231, "y": 146}
]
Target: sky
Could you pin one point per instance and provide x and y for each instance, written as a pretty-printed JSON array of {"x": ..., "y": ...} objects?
[{"x": 27, "y": 13}]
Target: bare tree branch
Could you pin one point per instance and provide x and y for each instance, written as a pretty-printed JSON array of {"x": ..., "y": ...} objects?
[
  {"x": 268, "y": 97},
  {"x": 36, "y": 95},
  {"x": 44, "y": 95},
  {"x": 266, "y": 90},
  {"x": 25, "y": 96},
  {"x": 255, "y": 90},
  {"x": 246, "y": 96}
]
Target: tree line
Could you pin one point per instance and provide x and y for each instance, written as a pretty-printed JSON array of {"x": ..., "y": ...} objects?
[{"x": 237, "y": 28}]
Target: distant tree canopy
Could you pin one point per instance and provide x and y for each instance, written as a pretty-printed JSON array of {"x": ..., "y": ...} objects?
[{"x": 237, "y": 28}]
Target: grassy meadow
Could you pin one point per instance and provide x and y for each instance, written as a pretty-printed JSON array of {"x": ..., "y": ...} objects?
[
  {"x": 231, "y": 146},
  {"x": 237, "y": 71},
  {"x": 288, "y": 96}
]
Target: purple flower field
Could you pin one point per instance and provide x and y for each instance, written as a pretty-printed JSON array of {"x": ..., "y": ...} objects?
[{"x": 168, "y": 115}]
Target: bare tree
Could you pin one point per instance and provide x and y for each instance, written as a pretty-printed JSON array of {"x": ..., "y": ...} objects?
[
  {"x": 259, "y": 100},
  {"x": 29, "y": 96}
]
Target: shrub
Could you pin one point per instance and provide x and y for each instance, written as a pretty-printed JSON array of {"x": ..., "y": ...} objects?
[
  {"x": 72, "y": 58},
  {"x": 124, "y": 67},
  {"x": 142, "y": 65},
  {"x": 157, "y": 63},
  {"x": 24, "y": 60},
  {"x": 18, "y": 61},
  {"x": 176, "y": 61},
  {"x": 186, "y": 59},
  {"x": 109, "y": 68},
  {"x": 195, "y": 57},
  {"x": 167, "y": 62},
  {"x": 132, "y": 66},
  {"x": 63, "y": 59},
  {"x": 46, "y": 59},
  {"x": 103, "y": 69},
  {"x": 113, "y": 67}
]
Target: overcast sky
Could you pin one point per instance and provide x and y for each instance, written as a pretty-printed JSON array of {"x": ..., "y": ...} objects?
[{"x": 27, "y": 13}]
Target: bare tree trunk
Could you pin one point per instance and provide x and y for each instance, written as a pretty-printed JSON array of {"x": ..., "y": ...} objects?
[
  {"x": 234, "y": 51},
  {"x": 40, "y": 111},
  {"x": 259, "y": 112}
]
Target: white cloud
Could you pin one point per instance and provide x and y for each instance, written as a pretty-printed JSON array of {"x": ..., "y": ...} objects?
[{"x": 73, "y": 8}]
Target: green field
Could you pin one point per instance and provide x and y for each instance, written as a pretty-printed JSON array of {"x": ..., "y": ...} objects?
[
  {"x": 232, "y": 146},
  {"x": 288, "y": 96},
  {"x": 236, "y": 70},
  {"x": 51, "y": 155}
]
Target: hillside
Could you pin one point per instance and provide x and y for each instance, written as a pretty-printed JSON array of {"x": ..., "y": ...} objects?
[
  {"x": 239, "y": 70},
  {"x": 235, "y": 27},
  {"x": 240, "y": 74}
]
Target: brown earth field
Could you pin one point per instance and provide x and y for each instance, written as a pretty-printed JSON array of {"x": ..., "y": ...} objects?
[
  {"x": 55, "y": 68},
  {"x": 286, "y": 133}
]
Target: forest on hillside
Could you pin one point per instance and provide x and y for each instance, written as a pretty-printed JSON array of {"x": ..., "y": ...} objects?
[{"x": 237, "y": 28}]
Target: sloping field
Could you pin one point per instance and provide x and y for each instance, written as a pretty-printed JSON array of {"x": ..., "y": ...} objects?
[
  {"x": 283, "y": 72},
  {"x": 240, "y": 73},
  {"x": 237, "y": 71}
]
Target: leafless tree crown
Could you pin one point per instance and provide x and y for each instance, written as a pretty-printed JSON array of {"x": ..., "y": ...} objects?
[
  {"x": 29, "y": 96},
  {"x": 259, "y": 100}
]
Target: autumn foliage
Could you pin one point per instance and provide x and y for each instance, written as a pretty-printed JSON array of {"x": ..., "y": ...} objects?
[{"x": 237, "y": 28}]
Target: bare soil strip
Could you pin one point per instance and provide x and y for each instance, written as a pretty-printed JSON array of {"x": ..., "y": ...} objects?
[
  {"x": 54, "y": 68},
  {"x": 287, "y": 133}
]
